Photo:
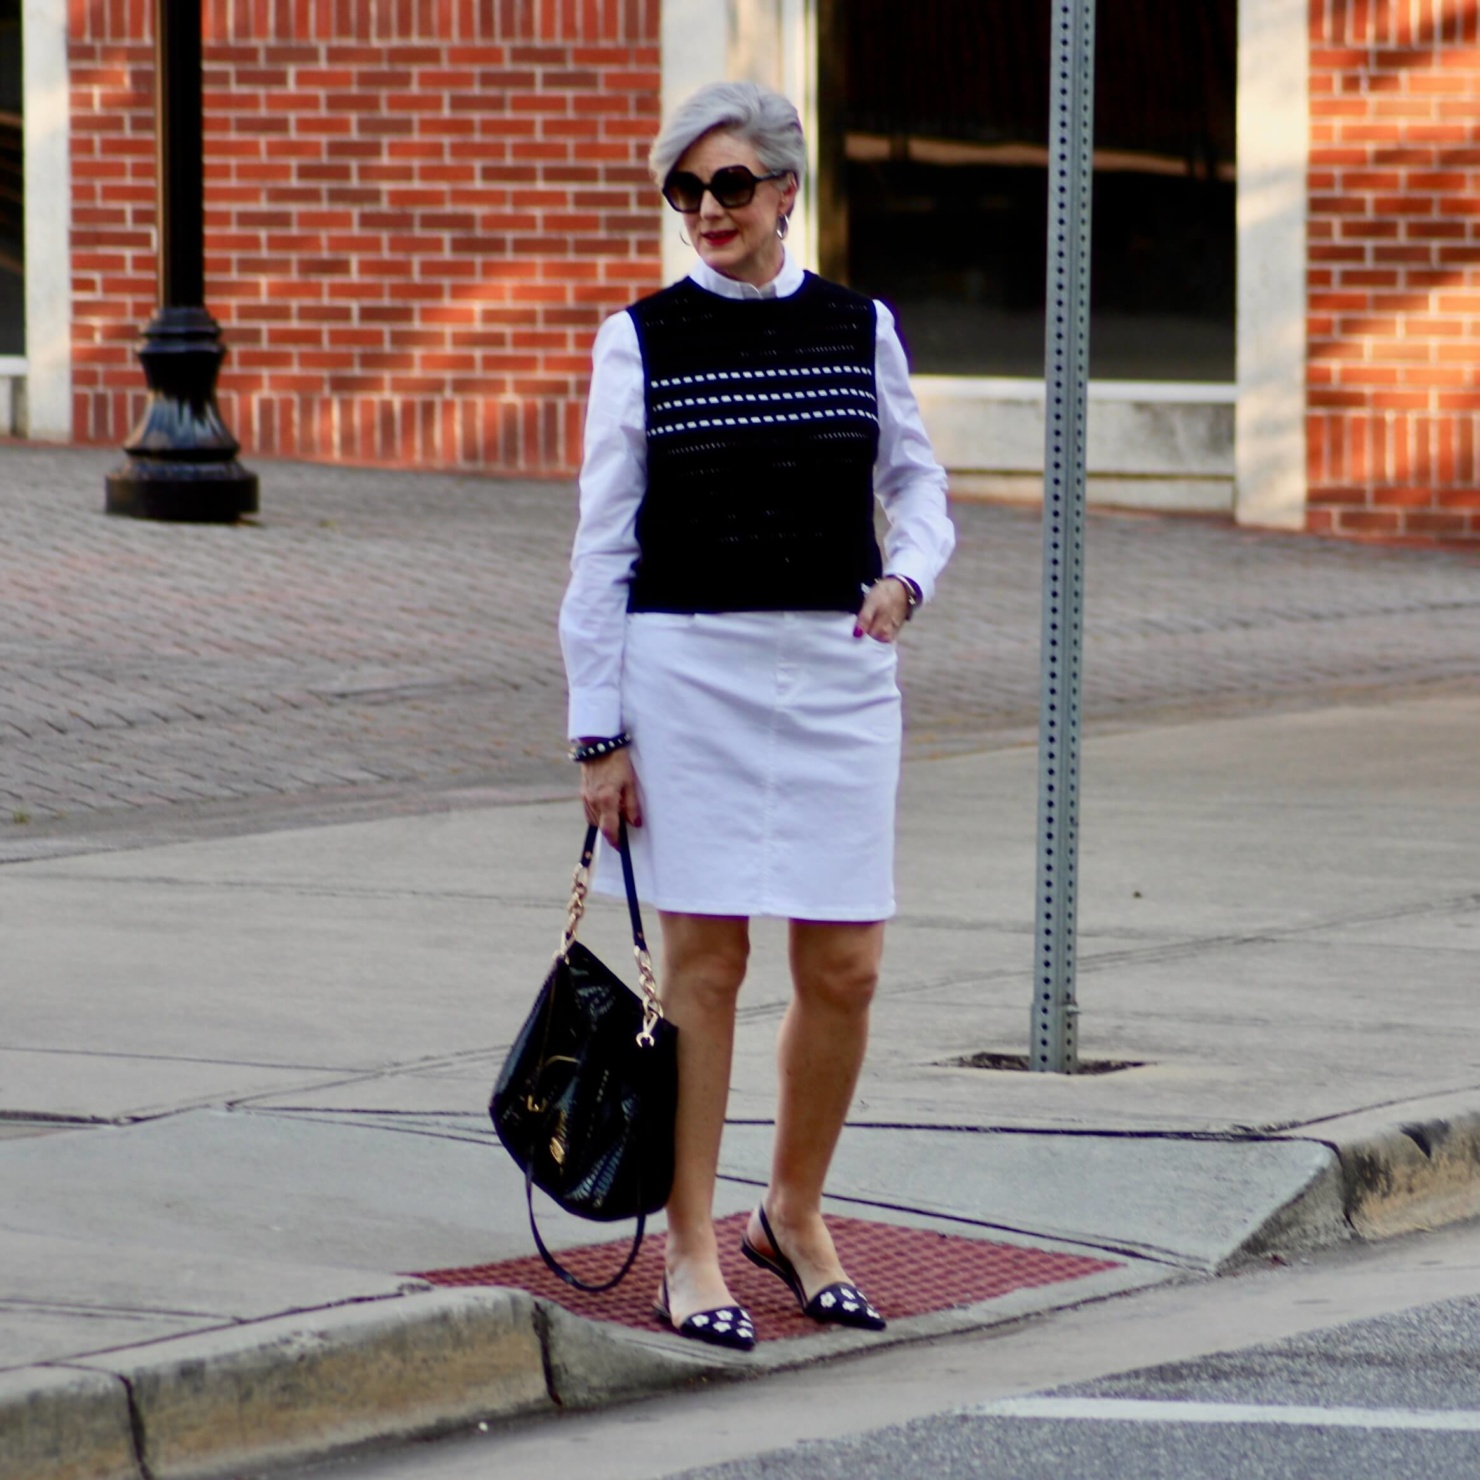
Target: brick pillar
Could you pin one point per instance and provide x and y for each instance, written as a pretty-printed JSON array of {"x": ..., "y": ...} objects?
[{"x": 1394, "y": 320}]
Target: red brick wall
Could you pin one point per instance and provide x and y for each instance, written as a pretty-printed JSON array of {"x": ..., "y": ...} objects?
[
  {"x": 1394, "y": 418},
  {"x": 417, "y": 212}
]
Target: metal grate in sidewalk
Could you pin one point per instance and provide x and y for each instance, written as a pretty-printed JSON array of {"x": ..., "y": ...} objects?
[{"x": 905, "y": 1272}]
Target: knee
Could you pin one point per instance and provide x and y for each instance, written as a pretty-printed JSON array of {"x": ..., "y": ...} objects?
[
  {"x": 708, "y": 976},
  {"x": 844, "y": 984},
  {"x": 715, "y": 979}
]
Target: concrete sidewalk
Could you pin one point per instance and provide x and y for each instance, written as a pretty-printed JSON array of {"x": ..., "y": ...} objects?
[{"x": 243, "y": 1078}]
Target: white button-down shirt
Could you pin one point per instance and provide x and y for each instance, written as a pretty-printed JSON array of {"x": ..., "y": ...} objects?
[{"x": 909, "y": 482}]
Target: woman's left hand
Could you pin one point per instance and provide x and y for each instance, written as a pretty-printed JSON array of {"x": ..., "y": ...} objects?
[{"x": 885, "y": 610}]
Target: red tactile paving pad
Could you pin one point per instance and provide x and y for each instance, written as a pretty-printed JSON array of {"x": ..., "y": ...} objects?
[{"x": 904, "y": 1271}]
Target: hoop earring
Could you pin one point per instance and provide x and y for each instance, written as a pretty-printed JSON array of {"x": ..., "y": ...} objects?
[
  {"x": 683, "y": 238},
  {"x": 783, "y": 225}
]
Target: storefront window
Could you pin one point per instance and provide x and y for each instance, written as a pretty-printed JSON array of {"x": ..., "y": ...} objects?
[{"x": 943, "y": 114}]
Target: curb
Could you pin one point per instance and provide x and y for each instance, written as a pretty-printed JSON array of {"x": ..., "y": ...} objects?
[
  {"x": 1386, "y": 1178},
  {"x": 590, "y": 1363},
  {"x": 309, "y": 1385},
  {"x": 315, "y": 1384},
  {"x": 1413, "y": 1175},
  {"x": 65, "y": 1424},
  {"x": 292, "y": 1388}
]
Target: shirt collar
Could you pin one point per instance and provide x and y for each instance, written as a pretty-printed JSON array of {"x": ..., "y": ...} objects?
[{"x": 783, "y": 285}]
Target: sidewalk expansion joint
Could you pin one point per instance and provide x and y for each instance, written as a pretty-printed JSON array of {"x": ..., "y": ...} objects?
[
  {"x": 1235, "y": 1136},
  {"x": 1284, "y": 1128},
  {"x": 541, "y": 1319},
  {"x": 136, "y": 1429},
  {"x": 46, "y": 1121}
]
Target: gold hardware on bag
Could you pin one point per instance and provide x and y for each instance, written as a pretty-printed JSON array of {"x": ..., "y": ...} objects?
[
  {"x": 652, "y": 1008},
  {"x": 557, "y": 1141}
]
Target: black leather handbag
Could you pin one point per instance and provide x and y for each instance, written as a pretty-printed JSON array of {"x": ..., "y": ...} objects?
[{"x": 588, "y": 1096}]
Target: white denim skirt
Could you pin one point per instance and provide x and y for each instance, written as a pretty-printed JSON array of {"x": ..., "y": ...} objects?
[{"x": 766, "y": 746}]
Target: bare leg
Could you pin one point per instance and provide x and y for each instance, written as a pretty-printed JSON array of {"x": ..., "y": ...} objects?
[
  {"x": 835, "y": 968},
  {"x": 704, "y": 959}
]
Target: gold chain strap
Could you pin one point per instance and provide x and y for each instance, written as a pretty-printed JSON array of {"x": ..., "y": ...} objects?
[{"x": 575, "y": 912}]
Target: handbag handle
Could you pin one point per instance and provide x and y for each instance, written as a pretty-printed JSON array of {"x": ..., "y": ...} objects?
[
  {"x": 652, "y": 1011},
  {"x": 652, "y": 1008},
  {"x": 557, "y": 1268}
]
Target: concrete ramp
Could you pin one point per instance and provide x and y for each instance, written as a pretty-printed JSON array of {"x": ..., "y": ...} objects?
[{"x": 1203, "y": 1202}]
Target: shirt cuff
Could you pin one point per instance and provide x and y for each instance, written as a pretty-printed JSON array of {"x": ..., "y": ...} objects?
[
  {"x": 595, "y": 712},
  {"x": 915, "y": 570}
]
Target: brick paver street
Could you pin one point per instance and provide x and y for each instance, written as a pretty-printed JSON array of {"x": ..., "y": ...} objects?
[{"x": 380, "y": 635}]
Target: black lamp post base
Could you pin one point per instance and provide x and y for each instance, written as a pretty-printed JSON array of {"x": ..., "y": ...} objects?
[
  {"x": 181, "y": 458},
  {"x": 184, "y": 492}
]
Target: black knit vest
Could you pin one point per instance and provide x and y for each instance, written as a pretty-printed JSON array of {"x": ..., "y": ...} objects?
[{"x": 762, "y": 430}]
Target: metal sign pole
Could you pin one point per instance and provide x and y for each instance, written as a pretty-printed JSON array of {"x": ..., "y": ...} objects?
[{"x": 1054, "y": 1046}]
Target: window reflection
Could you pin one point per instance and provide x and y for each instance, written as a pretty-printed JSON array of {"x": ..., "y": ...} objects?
[{"x": 944, "y": 118}]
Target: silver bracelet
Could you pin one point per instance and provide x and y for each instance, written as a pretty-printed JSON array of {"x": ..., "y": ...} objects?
[{"x": 912, "y": 593}]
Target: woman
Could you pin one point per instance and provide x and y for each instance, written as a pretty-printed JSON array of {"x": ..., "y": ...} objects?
[{"x": 728, "y": 635}]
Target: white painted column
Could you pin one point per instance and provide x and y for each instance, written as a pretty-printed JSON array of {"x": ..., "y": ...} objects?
[
  {"x": 1273, "y": 205},
  {"x": 754, "y": 44},
  {"x": 774, "y": 42},
  {"x": 693, "y": 40},
  {"x": 798, "y": 81},
  {"x": 48, "y": 187}
]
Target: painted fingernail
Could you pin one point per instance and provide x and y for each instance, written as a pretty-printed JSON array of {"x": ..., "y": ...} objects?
[{"x": 858, "y": 632}]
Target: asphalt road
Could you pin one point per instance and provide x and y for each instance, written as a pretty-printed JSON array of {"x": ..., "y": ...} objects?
[
  {"x": 1361, "y": 1364},
  {"x": 1389, "y": 1397}
]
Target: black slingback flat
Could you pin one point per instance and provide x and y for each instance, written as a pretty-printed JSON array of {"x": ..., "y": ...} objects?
[{"x": 838, "y": 1304}]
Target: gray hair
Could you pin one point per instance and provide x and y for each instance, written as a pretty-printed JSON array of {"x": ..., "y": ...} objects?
[{"x": 764, "y": 119}]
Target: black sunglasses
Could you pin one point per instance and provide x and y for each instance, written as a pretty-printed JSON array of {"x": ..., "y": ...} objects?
[{"x": 732, "y": 187}]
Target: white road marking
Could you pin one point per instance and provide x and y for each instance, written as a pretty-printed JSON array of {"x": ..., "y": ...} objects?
[{"x": 1131, "y": 1410}]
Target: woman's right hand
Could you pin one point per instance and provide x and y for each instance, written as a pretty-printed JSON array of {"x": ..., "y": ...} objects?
[{"x": 609, "y": 793}]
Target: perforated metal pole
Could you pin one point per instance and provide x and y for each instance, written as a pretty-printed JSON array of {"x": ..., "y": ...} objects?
[{"x": 1054, "y": 1047}]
